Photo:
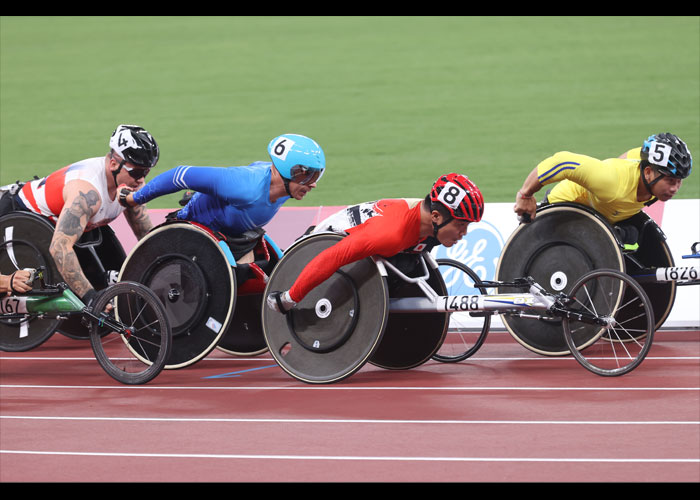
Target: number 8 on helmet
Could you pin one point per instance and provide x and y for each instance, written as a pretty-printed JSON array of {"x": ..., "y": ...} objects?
[{"x": 460, "y": 196}]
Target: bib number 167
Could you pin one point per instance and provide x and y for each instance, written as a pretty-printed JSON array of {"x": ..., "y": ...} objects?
[{"x": 13, "y": 305}]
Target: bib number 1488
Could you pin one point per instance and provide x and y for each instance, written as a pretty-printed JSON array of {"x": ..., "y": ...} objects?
[{"x": 461, "y": 303}]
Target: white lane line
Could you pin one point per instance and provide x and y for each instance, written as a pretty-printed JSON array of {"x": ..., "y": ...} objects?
[
  {"x": 339, "y": 388},
  {"x": 354, "y": 458},
  {"x": 353, "y": 421},
  {"x": 518, "y": 358}
]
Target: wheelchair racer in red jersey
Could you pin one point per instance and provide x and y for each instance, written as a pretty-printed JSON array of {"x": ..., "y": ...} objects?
[{"x": 389, "y": 227}]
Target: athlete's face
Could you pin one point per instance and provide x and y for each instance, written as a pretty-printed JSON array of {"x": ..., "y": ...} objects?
[
  {"x": 451, "y": 233},
  {"x": 666, "y": 187},
  {"x": 130, "y": 175},
  {"x": 298, "y": 191}
]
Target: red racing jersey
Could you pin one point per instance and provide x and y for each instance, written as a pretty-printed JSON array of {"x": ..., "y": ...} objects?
[{"x": 385, "y": 228}]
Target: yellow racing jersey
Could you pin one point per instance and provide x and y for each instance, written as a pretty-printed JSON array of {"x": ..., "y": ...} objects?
[{"x": 608, "y": 186}]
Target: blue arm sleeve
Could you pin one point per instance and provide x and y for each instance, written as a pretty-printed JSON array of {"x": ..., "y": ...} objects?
[{"x": 215, "y": 181}]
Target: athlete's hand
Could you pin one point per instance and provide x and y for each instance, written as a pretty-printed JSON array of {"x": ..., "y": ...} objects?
[
  {"x": 19, "y": 281},
  {"x": 125, "y": 196},
  {"x": 525, "y": 207},
  {"x": 280, "y": 301}
]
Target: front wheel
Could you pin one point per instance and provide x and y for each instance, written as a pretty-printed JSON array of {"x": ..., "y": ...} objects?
[
  {"x": 132, "y": 338},
  {"x": 621, "y": 339}
]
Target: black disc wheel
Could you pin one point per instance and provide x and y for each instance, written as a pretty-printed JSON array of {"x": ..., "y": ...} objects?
[
  {"x": 334, "y": 330},
  {"x": 131, "y": 339},
  {"x": 187, "y": 269},
  {"x": 24, "y": 240},
  {"x": 563, "y": 243}
]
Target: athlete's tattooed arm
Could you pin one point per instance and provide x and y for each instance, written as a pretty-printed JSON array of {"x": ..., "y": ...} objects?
[
  {"x": 138, "y": 219},
  {"x": 81, "y": 204}
]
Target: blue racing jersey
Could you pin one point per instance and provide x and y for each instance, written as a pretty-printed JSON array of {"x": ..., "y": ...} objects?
[{"x": 230, "y": 200}]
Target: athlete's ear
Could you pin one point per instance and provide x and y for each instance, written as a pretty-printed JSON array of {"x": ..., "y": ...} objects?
[
  {"x": 113, "y": 162},
  {"x": 436, "y": 217}
]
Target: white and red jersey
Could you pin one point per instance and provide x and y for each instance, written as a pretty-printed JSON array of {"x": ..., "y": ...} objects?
[{"x": 45, "y": 196}]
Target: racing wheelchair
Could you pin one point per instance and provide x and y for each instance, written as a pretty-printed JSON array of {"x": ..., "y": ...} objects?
[
  {"x": 211, "y": 299},
  {"x": 396, "y": 316},
  {"x": 25, "y": 238},
  {"x": 129, "y": 331},
  {"x": 567, "y": 240}
]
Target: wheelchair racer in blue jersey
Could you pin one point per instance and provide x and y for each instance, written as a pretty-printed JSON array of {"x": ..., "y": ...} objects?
[{"x": 236, "y": 200}]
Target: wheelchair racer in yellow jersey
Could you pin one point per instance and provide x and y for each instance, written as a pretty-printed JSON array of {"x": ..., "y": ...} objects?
[{"x": 617, "y": 188}]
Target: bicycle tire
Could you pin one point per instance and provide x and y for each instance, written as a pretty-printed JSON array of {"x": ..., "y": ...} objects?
[
  {"x": 466, "y": 345},
  {"x": 138, "y": 356}
]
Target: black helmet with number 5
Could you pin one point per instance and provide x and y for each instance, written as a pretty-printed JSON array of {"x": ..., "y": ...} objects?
[{"x": 667, "y": 154}]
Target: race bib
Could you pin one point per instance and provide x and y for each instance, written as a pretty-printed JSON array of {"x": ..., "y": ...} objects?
[
  {"x": 13, "y": 305},
  {"x": 659, "y": 153},
  {"x": 452, "y": 195},
  {"x": 280, "y": 148}
]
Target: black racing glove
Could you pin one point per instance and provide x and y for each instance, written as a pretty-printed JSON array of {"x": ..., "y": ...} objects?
[{"x": 122, "y": 193}]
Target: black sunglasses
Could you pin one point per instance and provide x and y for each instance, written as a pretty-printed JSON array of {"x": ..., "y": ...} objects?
[{"x": 136, "y": 173}]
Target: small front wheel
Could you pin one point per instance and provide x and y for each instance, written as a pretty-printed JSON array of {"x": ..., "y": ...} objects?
[
  {"x": 132, "y": 339},
  {"x": 610, "y": 327}
]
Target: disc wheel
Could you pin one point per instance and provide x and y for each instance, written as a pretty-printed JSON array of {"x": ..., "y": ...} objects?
[
  {"x": 24, "y": 243},
  {"x": 184, "y": 265},
  {"x": 563, "y": 243},
  {"x": 622, "y": 343},
  {"x": 337, "y": 327},
  {"x": 23, "y": 334},
  {"x": 411, "y": 339},
  {"x": 466, "y": 332},
  {"x": 653, "y": 252},
  {"x": 132, "y": 340}
]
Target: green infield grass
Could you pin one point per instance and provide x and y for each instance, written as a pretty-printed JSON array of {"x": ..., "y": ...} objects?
[{"x": 393, "y": 101}]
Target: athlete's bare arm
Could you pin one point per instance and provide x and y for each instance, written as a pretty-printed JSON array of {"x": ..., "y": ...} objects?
[
  {"x": 138, "y": 220},
  {"x": 81, "y": 202},
  {"x": 525, "y": 201}
]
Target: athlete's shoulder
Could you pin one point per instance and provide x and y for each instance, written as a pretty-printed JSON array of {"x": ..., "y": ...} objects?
[
  {"x": 632, "y": 154},
  {"x": 247, "y": 184},
  {"x": 90, "y": 168},
  {"x": 255, "y": 173},
  {"x": 91, "y": 171},
  {"x": 88, "y": 164},
  {"x": 393, "y": 204}
]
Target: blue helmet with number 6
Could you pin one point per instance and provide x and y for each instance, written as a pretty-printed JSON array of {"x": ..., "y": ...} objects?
[
  {"x": 667, "y": 154},
  {"x": 297, "y": 158}
]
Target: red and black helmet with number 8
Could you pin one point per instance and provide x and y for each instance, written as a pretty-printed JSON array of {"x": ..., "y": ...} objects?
[{"x": 460, "y": 196}]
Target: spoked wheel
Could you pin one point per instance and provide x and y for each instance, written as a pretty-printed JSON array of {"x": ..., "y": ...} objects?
[
  {"x": 132, "y": 340},
  {"x": 620, "y": 344},
  {"x": 466, "y": 333}
]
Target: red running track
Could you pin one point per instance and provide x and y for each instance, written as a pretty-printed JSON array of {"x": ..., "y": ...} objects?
[{"x": 507, "y": 415}]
